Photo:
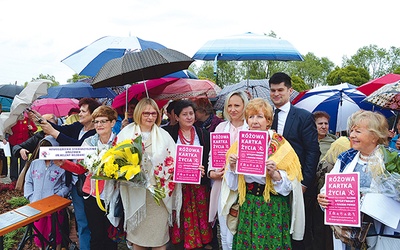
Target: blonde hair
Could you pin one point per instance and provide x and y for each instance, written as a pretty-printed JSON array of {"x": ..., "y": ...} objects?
[
  {"x": 255, "y": 106},
  {"x": 375, "y": 121},
  {"x": 242, "y": 96},
  {"x": 141, "y": 106}
]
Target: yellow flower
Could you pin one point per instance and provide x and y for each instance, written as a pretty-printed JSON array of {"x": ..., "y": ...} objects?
[
  {"x": 119, "y": 162},
  {"x": 133, "y": 166},
  {"x": 110, "y": 169},
  {"x": 131, "y": 171},
  {"x": 107, "y": 154}
]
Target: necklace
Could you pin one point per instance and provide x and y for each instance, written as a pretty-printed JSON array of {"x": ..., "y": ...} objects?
[
  {"x": 183, "y": 139},
  {"x": 365, "y": 157}
]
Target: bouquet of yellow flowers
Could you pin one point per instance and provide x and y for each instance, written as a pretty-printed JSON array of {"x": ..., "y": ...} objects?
[{"x": 122, "y": 162}]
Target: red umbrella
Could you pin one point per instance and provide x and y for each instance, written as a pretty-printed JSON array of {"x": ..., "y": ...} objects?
[
  {"x": 371, "y": 86},
  {"x": 184, "y": 88},
  {"x": 164, "y": 89},
  {"x": 136, "y": 90},
  {"x": 58, "y": 107}
]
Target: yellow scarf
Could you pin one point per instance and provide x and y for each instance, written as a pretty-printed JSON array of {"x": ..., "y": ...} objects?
[{"x": 281, "y": 152}]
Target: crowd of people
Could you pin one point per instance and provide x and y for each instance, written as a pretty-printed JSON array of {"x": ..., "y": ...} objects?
[{"x": 284, "y": 209}]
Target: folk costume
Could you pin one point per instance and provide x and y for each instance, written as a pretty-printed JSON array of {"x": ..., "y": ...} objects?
[
  {"x": 194, "y": 231},
  {"x": 268, "y": 215}
]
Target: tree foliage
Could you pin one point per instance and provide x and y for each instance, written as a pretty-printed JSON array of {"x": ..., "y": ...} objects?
[
  {"x": 77, "y": 78},
  {"x": 46, "y": 77},
  {"x": 350, "y": 74},
  {"x": 298, "y": 84},
  {"x": 377, "y": 61},
  {"x": 312, "y": 70},
  {"x": 253, "y": 69}
]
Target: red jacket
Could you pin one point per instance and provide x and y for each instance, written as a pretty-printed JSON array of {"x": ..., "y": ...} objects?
[{"x": 21, "y": 132}]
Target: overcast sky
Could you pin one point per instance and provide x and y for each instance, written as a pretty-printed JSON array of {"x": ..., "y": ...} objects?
[{"x": 36, "y": 35}]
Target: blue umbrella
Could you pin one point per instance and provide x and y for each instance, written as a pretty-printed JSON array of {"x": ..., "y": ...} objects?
[
  {"x": 339, "y": 101},
  {"x": 89, "y": 59},
  {"x": 78, "y": 90},
  {"x": 5, "y": 103},
  {"x": 248, "y": 46}
]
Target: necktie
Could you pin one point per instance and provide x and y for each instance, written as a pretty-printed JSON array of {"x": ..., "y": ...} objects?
[{"x": 275, "y": 121}]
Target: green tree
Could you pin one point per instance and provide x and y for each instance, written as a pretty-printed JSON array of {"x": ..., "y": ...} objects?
[
  {"x": 227, "y": 73},
  {"x": 77, "y": 78},
  {"x": 377, "y": 61},
  {"x": 350, "y": 74},
  {"x": 253, "y": 69},
  {"x": 312, "y": 70},
  {"x": 46, "y": 77},
  {"x": 396, "y": 71},
  {"x": 298, "y": 84},
  {"x": 205, "y": 71}
]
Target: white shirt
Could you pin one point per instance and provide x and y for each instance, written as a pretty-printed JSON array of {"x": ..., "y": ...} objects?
[{"x": 282, "y": 116}]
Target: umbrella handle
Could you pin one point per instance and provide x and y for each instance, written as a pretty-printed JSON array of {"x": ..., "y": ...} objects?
[{"x": 126, "y": 115}]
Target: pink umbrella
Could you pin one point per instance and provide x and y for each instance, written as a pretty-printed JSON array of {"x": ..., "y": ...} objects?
[
  {"x": 136, "y": 90},
  {"x": 59, "y": 107},
  {"x": 164, "y": 89},
  {"x": 184, "y": 88}
]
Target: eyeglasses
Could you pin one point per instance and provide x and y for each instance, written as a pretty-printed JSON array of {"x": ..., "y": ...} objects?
[
  {"x": 147, "y": 114},
  {"x": 102, "y": 122}
]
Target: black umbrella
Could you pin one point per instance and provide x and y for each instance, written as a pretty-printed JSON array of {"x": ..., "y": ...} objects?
[
  {"x": 140, "y": 66},
  {"x": 10, "y": 90}
]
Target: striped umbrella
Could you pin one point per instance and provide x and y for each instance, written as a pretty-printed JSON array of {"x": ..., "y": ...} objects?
[
  {"x": 248, "y": 46},
  {"x": 339, "y": 101},
  {"x": 89, "y": 59}
]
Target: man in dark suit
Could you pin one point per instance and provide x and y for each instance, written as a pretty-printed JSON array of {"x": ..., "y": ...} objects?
[{"x": 298, "y": 127}]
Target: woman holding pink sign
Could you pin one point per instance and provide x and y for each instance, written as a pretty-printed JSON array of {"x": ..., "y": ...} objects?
[
  {"x": 271, "y": 206},
  {"x": 234, "y": 106},
  {"x": 369, "y": 157},
  {"x": 194, "y": 230}
]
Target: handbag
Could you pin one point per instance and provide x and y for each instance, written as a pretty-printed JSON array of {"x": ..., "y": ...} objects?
[
  {"x": 353, "y": 236},
  {"x": 79, "y": 185},
  {"x": 232, "y": 219}
]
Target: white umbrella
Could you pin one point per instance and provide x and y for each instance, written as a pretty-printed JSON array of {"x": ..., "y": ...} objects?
[{"x": 22, "y": 101}]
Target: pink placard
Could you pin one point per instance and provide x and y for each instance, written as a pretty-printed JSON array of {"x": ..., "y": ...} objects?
[
  {"x": 342, "y": 190},
  {"x": 220, "y": 143},
  {"x": 252, "y": 152},
  {"x": 188, "y": 160}
]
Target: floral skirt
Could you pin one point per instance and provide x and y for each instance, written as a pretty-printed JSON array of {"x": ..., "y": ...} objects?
[
  {"x": 263, "y": 225},
  {"x": 194, "y": 230}
]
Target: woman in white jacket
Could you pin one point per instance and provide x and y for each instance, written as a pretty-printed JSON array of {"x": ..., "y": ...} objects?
[{"x": 234, "y": 106}]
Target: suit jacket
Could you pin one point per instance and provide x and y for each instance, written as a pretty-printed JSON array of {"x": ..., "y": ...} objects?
[
  {"x": 301, "y": 132},
  {"x": 69, "y": 134},
  {"x": 204, "y": 137},
  {"x": 29, "y": 144}
]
